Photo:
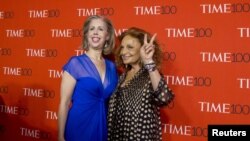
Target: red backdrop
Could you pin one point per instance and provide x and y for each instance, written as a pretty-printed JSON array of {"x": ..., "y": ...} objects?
[{"x": 206, "y": 60}]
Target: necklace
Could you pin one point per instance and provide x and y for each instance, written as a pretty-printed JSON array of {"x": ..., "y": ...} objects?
[
  {"x": 129, "y": 76},
  {"x": 99, "y": 65}
]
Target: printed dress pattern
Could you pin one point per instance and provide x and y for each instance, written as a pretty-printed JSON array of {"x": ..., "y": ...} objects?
[{"x": 134, "y": 109}]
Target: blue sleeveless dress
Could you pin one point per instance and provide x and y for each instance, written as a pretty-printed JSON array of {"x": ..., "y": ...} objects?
[{"x": 87, "y": 118}]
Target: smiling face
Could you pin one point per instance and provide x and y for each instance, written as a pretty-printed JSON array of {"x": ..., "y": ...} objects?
[
  {"x": 97, "y": 34},
  {"x": 130, "y": 50}
]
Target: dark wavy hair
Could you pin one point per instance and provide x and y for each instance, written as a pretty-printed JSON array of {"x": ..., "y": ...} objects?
[
  {"x": 139, "y": 34},
  {"x": 110, "y": 44}
]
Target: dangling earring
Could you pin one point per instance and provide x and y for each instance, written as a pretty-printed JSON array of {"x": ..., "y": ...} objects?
[
  {"x": 106, "y": 44},
  {"x": 140, "y": 63}
]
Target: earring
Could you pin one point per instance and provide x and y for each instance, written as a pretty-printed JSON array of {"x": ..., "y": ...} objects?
[
  {"x": 106, "y": 44},
  {"x": 140, "y": 63}
]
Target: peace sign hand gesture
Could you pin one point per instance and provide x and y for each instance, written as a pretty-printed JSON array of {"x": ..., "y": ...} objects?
[{"x": 147, "y": 50}]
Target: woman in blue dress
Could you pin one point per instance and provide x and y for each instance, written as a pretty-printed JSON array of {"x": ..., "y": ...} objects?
[{"x": 87, "y": 82}]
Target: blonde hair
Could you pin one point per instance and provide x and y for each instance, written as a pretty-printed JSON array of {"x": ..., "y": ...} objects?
[{"x": 110, "y": 44}]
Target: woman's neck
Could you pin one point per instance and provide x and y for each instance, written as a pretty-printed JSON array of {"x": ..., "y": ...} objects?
[
  {"x": 135, "y": 68},
  {"x": 95, "y": 55}
]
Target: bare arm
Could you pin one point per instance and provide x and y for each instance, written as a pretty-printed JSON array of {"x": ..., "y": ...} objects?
[
  {"x": 155, "y": 78},
  {"x": 163, "y": 95},
  {"x": 66, "y": 90},
  {"x": 147, "y": 52}
]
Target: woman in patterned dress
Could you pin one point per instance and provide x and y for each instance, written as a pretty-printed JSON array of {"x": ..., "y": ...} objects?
[{"x": 134, "y": 107}]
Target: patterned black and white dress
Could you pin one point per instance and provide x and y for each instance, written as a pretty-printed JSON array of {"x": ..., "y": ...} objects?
[{"x": 134, "y": 109}]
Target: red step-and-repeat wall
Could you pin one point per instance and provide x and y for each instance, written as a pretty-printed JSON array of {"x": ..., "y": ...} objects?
[{"x": 206, "y": 47}]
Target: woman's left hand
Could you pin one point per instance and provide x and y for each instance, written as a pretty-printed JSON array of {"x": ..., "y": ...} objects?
[{"x": 147, "y": 50}]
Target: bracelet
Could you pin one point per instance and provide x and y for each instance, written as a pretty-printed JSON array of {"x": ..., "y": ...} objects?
[
  {"x": 149, "y": 62},
  {"x": 150, "y": 67}
]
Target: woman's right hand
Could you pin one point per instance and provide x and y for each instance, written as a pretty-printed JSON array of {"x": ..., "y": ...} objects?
[{"x": 147, "y": 50}]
